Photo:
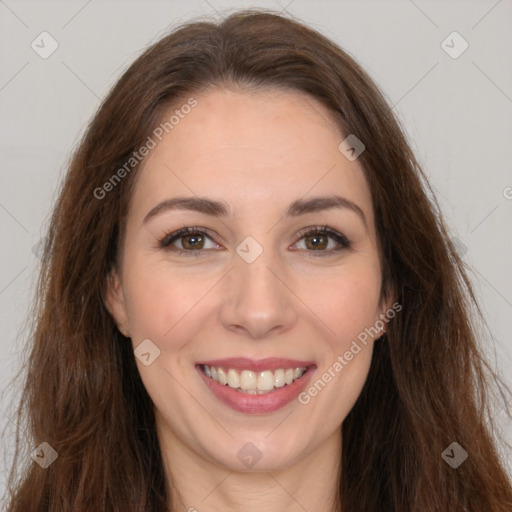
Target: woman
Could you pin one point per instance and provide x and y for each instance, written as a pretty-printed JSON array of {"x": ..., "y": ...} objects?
[{"x": 247, "y": 301}]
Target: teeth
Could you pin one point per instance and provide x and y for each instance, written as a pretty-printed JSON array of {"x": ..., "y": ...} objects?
[
  {"x": 253, "y": 383},
  {"x": 233, "y": 379},
  {"x": 248, "y": 380},
  {"x": 279, "y": 378},
  {"x": 265, "y": 381},
  {"x": 221, "y": 374}
]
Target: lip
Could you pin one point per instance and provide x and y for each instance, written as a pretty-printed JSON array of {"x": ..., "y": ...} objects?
[{"x": 257, "y": 404}]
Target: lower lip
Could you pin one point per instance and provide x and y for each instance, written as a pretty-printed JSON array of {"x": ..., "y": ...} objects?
[{"x": 257, "y": 404}]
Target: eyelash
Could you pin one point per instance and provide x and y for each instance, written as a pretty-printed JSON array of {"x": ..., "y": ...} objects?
[{"x": 167, "y": 240}]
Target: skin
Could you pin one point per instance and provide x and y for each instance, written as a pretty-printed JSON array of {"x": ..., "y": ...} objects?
[{"x": 257, "y": 151}]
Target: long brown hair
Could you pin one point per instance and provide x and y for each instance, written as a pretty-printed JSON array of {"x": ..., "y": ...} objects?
[{"x": 428, "y": 386}]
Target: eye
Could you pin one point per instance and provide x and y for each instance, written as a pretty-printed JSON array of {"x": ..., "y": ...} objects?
[
  {"x": 322, "y": 240},
  {"x": 187, "y": 241}
]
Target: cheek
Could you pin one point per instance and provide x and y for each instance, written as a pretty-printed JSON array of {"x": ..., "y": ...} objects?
[
  {"x": 348, "y": 303},
  {"x": 165, "y": 307},
  {"x": 160, "y": 301}
]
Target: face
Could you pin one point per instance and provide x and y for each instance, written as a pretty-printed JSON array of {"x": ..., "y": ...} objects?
[{"x": 250, "y": 280}]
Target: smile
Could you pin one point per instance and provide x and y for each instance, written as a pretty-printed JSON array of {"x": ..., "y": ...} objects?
[
  {"x": 254, "y": 383},
  {"x": 256, "y": 387}
]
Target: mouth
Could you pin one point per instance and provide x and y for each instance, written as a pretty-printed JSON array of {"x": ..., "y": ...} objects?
[
  {"x": 251, "y": 382},
  {"x": 256, "y": 386}
]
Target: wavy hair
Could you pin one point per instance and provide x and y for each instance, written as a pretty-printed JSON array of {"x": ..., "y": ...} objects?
[{"x": 429, "y": 383}]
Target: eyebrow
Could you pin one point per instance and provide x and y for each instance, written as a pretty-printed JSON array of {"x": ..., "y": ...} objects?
[{"x": 220, "y": 209}]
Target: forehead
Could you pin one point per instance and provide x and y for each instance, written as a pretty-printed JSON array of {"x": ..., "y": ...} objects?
[{"x": 249, "y": 147}]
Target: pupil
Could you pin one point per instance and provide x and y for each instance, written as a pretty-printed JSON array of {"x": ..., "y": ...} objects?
[
  {"x": 317, "y": 241},
  {"x": 192, "y": 241}
]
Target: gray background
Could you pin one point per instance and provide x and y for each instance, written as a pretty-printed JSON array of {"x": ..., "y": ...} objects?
[{"x": 457, "y": 113}]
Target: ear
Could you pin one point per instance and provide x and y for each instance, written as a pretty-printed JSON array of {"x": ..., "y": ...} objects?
[
  {"x": 388, "y": 308},
  {"x": 387, "y": 302},
  {"x": 115, "y": 303}
]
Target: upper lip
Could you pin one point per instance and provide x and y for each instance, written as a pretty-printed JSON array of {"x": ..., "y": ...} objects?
[{"x": 257, "y": 365}]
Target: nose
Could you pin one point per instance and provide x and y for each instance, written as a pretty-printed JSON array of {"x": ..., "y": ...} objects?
[{"x": 258, "y": 302}]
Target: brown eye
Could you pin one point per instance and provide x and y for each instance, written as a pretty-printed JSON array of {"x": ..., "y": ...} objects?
[
  {"x": 317, "y": 241},
  {"x": 195, "y": 241},
  {"x": 322, "y": 241},
  {"x": 187, "y": 240}
]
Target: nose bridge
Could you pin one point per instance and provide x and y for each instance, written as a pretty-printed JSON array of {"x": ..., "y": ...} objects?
[
  {"x": 256, "y": 280},
  {"x": 257, "y": 301}
]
